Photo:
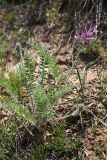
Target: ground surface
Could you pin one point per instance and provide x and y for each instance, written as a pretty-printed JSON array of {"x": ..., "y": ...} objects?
[{"x": 53, "y": 34}]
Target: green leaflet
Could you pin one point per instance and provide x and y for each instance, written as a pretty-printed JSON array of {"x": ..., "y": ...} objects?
[{"x": 19, "y": 110}]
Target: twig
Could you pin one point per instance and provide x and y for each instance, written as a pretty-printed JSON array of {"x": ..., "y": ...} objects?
[
  {"x": 71, "y": 116},
  {"x": 95, "y": 117},
  {"x": 76, "y": 113}
]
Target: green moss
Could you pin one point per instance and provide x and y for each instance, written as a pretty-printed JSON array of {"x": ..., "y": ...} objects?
[
  {"x": 94, "y": 128},
  {"x": 99, "y": 147},
  {"x": 60, "y": 143},
  {"x": 10, "y": 17}
]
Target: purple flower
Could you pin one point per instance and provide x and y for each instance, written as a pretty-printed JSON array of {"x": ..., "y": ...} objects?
[{"x": 86, "y": 34}]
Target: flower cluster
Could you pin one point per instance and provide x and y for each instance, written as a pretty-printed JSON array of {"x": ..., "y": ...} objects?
[{"x": 86, "y": 34}]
